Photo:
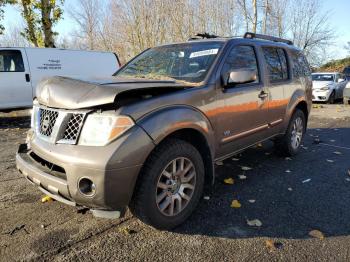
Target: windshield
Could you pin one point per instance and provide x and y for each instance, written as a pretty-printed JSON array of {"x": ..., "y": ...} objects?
[
  {"x": 188, "y": 62},
  {"x": 323, "y": 77}
]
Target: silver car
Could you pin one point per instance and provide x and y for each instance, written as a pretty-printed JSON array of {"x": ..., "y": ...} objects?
[{"x": 327, "y": 87}]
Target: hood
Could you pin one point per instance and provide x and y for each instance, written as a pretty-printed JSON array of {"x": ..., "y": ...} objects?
[
  {"x": 320, "y": 84},
  {"x": 69, "y": 93}
]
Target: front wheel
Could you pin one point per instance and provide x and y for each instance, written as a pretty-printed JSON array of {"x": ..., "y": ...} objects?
[
  {"x": 290, "y": 143},
  {"x": 170, "y": 185}
]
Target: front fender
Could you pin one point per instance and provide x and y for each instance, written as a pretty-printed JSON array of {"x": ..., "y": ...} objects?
[{"x": 161, "y": 123}]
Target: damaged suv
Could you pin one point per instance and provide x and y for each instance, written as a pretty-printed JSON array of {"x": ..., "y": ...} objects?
[{"x": 148, "y": 137}]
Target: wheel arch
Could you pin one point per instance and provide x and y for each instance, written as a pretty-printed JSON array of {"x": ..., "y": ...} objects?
[{"x": 185, "y": 123}]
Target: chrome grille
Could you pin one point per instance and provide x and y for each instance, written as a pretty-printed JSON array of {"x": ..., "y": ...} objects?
[
  {"x": 58, "y": 126},
  {"x": 73, "y": 127},
  {"x": 47, "y": 121}
]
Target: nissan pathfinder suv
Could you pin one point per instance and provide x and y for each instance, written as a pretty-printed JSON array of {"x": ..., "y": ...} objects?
[{"x": 148, "y": 138}]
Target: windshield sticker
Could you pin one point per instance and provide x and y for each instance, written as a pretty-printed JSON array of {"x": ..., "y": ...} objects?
[{"x": 204, "y": 53}]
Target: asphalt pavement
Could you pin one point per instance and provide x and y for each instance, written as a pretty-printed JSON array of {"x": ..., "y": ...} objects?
[{"x": 290, "y": 197}]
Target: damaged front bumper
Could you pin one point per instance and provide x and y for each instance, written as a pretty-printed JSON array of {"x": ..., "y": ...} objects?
[{"x": 113, "y": 170}]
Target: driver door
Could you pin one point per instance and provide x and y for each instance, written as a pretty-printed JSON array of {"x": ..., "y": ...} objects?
[{"x": 243, "y": 118}]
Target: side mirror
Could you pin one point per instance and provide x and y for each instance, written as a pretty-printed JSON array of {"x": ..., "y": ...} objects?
[
  {"x": 341, "y": 80},
  {"x": 240, "y": 76}
]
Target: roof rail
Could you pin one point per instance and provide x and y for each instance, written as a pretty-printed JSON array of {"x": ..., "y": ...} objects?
[
  {"x": 267, "y": 37},
  {"x": 202, "y": 36}
]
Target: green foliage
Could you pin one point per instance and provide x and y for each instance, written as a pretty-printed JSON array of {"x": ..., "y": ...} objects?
[
  {"x": 37, "y": 25},
  {"x": 335, "y": 65}
]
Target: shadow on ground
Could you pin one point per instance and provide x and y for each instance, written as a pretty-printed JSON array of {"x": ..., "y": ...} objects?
[
  {"x": 11, "y": 122},
  {"x": 287, "y": 207}
]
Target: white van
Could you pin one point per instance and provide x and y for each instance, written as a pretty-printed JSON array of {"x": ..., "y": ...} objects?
[{"x": 22, "y": 68}]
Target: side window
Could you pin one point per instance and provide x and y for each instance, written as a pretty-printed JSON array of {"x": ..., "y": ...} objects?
[
  {"x": 11, "y": 61},
  {"x": 242, "y": 57},
  {"x": 276, "y": 63}
]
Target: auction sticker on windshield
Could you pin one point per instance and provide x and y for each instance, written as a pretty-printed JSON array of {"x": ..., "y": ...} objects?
[{"x": 204, "y": 53}]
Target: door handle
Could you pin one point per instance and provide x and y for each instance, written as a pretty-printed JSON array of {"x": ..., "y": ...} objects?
[
  {"x": 263, "y": 95},
  {"x": 27, "y": 77}
]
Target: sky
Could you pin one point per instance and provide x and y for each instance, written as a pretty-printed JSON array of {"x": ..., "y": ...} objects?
[{"x": 338, "y": 10}]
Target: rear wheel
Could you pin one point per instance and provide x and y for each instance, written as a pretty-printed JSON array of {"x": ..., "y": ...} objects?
[
  {"x": 290, "y": 143},
  {"x": 170, "y": 185}
]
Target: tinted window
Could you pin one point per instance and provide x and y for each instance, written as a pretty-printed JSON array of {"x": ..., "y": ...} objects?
[
  {"x": 11, "y": 61},
  {"x": 276, "y": 63},
  {"x": 241, "y": 57},
  {"x": 300, "y": 65}
]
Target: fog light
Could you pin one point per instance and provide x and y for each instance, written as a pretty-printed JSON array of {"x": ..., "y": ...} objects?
[{"x": 87, "y": 187}]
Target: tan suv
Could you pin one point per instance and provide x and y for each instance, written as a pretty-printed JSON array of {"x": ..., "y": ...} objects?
[{"x": 148, "y": 137}]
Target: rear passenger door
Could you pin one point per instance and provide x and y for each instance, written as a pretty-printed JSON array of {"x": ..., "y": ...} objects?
[
  {"x": 279, "y": 81},
  {"x": 15, "y": 84},
  {"x": 243, "y": 119}
]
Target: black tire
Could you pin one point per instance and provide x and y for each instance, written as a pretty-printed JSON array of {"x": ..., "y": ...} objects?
[
  {"x": 284, "y": 144},
  {"x": 331, "y": 98},
  {"x": 144, "y": 204}
]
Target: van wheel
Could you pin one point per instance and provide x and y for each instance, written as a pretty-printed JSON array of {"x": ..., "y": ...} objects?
[
  {"x": 331, "y": 98},
  {"x": 170, "y": 185},
  {"x": 290, "y": 143}
]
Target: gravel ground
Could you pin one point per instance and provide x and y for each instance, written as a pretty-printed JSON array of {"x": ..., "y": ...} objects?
[{"x": 287, "y": 208}]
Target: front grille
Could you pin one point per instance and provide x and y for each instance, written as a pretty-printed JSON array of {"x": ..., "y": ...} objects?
[
  {"x": 59, "y": 126},
  {"x": 47, "y": 121},
  {"x": 73, "y": 127}
]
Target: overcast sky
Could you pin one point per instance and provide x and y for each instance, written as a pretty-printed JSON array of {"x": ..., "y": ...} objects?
[{"x": 339, "y": 17}]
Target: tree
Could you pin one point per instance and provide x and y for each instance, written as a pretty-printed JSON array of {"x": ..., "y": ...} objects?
[
  {"x": 40, "y": 17},
  {"x": 310, "y": 29}
]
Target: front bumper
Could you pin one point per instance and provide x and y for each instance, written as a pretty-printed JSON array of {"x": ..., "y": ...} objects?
[
  {"x": 57, "y": 169},
  {"x": 320, "y": 95}
]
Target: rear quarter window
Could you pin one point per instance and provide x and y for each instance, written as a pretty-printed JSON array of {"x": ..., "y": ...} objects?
[{"x": 301, "y": 67}]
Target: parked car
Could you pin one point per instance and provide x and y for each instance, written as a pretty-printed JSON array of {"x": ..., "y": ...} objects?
[
  {"x": 148, "y": 137},
  {"x": 327, "y": 87},
  {"x": 22, "y": 68}
]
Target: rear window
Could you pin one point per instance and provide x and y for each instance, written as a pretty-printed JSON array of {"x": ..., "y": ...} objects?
[
  {"x": 276, "y": 63},
  {"x": 11, "y": 61}
]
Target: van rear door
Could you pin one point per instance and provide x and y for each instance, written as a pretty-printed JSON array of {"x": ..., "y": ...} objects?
[{"x": 15, "y": 84}]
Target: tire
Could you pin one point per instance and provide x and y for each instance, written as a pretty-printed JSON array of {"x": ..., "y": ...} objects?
[
  {"x": 331, "y": 98},
  {"x": 289, "y": 144},
  {"x": 158, "y": 182}
]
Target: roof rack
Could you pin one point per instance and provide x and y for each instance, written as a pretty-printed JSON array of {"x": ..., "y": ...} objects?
[
  {"x": 203, "y": 36},
  {"x": 267, "y": 37}
]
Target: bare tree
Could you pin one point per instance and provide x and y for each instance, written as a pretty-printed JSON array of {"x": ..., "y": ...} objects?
[
  {"x": 86, "y": 15},
  {"x": 12, "y": 37},
  {"x": 310, "y": 29}
]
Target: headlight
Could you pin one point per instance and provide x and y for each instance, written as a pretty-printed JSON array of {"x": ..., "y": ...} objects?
[
  {"x": 100, "y": 129},
  {"x": 325, "y": 88}
]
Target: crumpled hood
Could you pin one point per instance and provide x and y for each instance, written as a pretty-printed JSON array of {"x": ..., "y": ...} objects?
[
  {"x": 320, "y": 84},
  {"x": 69, "y": 93}
]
